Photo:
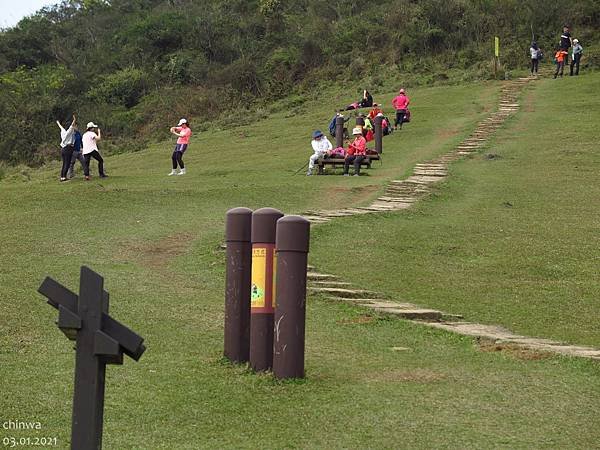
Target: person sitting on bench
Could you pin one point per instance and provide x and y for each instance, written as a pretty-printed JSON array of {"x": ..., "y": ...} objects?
[
  {"x": 321, "y": 146},
  {"x": 356, "y": 152}
]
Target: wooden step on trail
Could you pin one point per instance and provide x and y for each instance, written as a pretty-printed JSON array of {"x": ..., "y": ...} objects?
[
  {"x": 320, "y": 276},
  {"x": 329, "y": 283},
  {"x": 341, "y": 292}
]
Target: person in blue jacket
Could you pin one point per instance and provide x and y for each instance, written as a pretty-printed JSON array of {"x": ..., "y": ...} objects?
[{"x": 77, "y": 156}]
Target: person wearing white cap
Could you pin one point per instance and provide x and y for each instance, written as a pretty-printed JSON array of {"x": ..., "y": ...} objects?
[
  {"x": 183, "y": 133},
  {"x": 576, "y": 56},
  {"x": 356, "y": 152},
  {"x": 90, "y": 149}
]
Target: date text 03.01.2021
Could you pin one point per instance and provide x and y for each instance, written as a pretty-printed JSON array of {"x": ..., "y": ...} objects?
[{"x": 14, "y": 442}]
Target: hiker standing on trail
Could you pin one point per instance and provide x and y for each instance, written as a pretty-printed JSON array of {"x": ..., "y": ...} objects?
[
  {"x": 90, "y": 149},
  {"x": 400, "y": 104},
  {"x": 183, "y": 133},
  {"x": 77, "y": 156},
  {"x": 356, "y": 152},
  {"x": 322, "y": 148},
  {"x": 565, "y": 39},
  {"x": 560, "y": 56},
  {"x": 576, "y": 56},
  {"x": 67, "y": 139},
  {"x": 536, "y": 55}
]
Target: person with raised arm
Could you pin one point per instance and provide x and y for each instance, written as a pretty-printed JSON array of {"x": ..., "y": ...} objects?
[
  {"x": 90, "y": 149},
  {"x": 67, "y": 139}
]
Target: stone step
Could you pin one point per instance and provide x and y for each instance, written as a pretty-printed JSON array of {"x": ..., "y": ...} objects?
[
  {"x": 320, "y": 276},
  {"x": 329, "y": 283},
  {"x": 427, "y": 315},
  {"x": 342, "y": 292}
]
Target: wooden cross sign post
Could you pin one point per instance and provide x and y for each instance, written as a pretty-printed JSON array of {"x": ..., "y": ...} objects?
[{"x": 100, "y": 340}]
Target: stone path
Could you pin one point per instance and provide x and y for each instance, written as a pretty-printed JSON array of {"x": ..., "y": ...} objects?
[{"x": 401, "y": 194}]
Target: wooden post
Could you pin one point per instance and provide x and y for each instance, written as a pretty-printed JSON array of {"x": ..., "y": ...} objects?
[
  {"x": 378, "y": 134},
  {"x": 238, "y": 228},
  {"x": 262, "y": 306},
  {"x": 100, "y": 340},
  {"x": 293, "y": 236},
  {"x": 339, "y": 131}
]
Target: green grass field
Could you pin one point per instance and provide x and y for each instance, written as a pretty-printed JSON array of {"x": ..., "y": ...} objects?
[{"x": 531, "y": 266}]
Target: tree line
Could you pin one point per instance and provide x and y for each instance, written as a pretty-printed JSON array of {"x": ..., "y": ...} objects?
[{"x": 136, "y": 65}]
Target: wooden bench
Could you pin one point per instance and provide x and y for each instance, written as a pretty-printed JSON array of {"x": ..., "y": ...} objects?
[{"x": 337, "y": 161}]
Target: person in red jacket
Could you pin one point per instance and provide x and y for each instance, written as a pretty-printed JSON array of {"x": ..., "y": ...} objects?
[
  {"x": 376, "y": 110},
  {"x": 356, "y": 152},
  {"x": 400, "y": 104}
]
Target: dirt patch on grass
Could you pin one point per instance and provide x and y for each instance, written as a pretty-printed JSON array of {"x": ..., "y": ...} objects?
[
  {"x": 358, "y": 194},
  {"x": 446, "y": 133},
  {"x": 407, "y": 376},
  {"x": 357, "y": 320},
  {"x": 514, "y": 350},
  {"x": 157, "y": 255}
]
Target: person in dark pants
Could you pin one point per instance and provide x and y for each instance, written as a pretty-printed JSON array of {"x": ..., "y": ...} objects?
[
  {"x": 90, "y": 149},
  {"x": 356, "y": 152},
  {"x": 576, "y": 57},
  {"x": 565, "y": 39},
  {"x": 367, "y": 100},
  {"x": 77, "y": 156},
  {"x": 183, "y": 133},
  {"x": 400, "y": 104},
  {"x": 67, "y": 138},
  {"x": 536, "y": 54}
]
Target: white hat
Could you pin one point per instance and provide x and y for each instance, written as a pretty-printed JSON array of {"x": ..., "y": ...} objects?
[
  {"x": 91, "y": 125},
  {"x": 182, "y": 121},
  {"x": 357, "y": 130},
  {"x": 576, "y": 40}
]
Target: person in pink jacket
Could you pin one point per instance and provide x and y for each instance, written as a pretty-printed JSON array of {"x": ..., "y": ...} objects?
[
  {"x": 400, "y": 104},
  {"x": 183, "y": 133}
]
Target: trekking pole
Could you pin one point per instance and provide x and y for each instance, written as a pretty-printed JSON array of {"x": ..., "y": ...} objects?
[{"x": 301, "y": 168}]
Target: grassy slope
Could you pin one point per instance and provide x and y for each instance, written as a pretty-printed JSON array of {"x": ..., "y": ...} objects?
[
  {"x": 441, "y": 392},
  {"x": 516, "y": 238}
]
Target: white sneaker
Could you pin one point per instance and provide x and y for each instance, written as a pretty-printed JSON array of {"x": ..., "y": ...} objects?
[
  {"x": 181, "y": 172},
  {"x": 173, "y": 172}
]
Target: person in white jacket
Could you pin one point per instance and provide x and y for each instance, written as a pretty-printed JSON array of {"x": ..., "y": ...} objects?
[{"x": 321, "y": 147}]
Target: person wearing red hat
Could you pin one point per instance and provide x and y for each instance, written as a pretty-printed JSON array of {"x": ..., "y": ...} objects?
[{"x": 400, "y": 104}]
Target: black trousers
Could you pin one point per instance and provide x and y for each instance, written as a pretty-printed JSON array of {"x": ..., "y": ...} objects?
[
  {"x": 98, "y": 158},
  {"x": 354, "y": 159},
  {"x": 400, "y": 114},
  {"x": 575, "y": 63},
  {"x": 66, "y": 154},
  {"x": 534, "y": 65}
]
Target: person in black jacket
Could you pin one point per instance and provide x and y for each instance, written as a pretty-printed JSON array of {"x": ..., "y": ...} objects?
[{"x": 367, "y": 100}]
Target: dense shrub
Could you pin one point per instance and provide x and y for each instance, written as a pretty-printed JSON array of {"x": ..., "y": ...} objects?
[{"x": 136, "y": 66}]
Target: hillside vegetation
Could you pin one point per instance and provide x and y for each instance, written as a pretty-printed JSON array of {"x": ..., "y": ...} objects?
[{"x": 135, "y": 66}]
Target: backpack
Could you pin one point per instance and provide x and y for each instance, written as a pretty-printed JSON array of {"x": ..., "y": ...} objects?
[
  {"x": 407, "y": 115},
  {"x": 332, "y": 126}
]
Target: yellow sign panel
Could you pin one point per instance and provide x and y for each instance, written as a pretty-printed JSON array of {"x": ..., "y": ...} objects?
[
  {"x": 497, "y": 45},
  {"x": 274, "y": 278},
  {"x": 259, "y": 266}
]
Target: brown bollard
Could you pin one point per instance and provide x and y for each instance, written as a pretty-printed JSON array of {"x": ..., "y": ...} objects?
[
  {"x": 262, "y": 305},
  {"x": 238, "y": 228},
  {"x": 293, "y": 236},
  {"x": 339, "y": 132},
  {"x": 378, "y": 134}
]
